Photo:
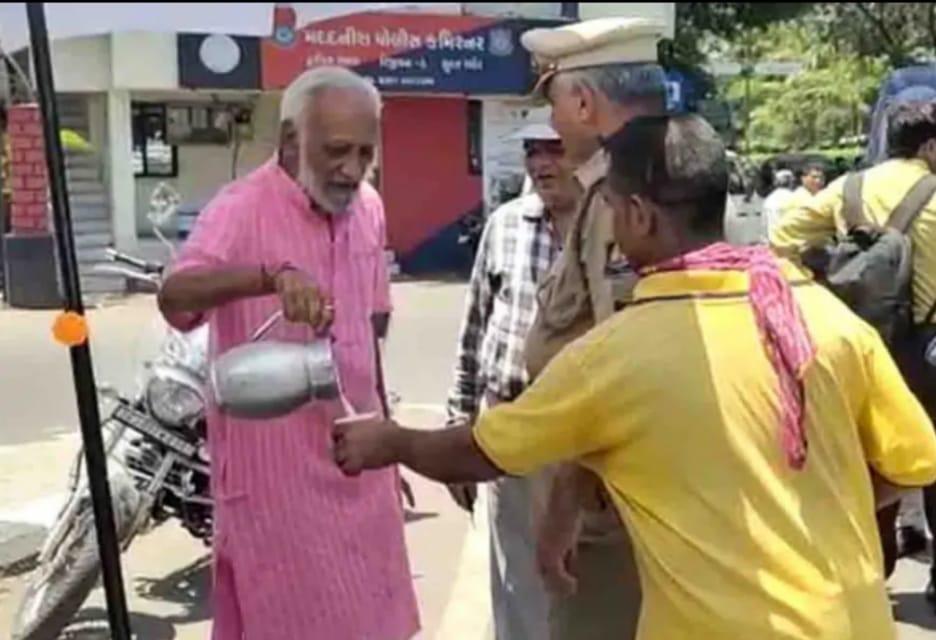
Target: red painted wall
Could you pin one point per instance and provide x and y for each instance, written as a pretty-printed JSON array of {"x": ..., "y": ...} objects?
[{"x": 424, "y": 168}]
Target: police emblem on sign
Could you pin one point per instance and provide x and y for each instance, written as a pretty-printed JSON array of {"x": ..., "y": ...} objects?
[
  {"x": 284, "y": 35},
  {"x": 500, "y": 42}
]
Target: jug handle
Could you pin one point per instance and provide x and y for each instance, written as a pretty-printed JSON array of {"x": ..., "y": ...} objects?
[{"x": 268, "y": 324}]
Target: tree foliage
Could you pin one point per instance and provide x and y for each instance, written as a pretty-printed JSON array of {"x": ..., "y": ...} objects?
[
  {"x": 846, "y": 50},
  {"x": 700, "y": 24},
  {"x": 822, "y": 105},
  {"x": 903, "y": 32}
]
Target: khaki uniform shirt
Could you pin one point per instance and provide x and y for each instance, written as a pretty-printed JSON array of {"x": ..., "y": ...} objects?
[{"x": 579, "y": 293}]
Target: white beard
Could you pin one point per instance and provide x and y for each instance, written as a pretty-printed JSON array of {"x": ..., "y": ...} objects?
[{"x": 310, "y": 184}]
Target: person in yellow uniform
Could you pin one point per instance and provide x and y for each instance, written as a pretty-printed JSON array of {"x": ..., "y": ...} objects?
[
  {"x": 743, "y": 420},
  {"x": 812, "y": 180},
  {"x": 912, "y": 151}
]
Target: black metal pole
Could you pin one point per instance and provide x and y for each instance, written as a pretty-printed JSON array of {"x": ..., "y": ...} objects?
[{"x": 82, "y": 371}]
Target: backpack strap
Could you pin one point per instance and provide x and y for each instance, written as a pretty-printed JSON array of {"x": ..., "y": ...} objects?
[
  {"x": 929, "y": 314},
  {"x": 913, "y": 204},
  {"x": 853, "y": 205}
]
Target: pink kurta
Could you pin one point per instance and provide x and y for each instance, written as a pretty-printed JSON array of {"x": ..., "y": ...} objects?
[{"x": 301, "y": 552}]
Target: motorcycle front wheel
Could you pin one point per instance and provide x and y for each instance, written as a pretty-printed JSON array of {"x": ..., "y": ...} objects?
[{"x": 59, "y": 587}]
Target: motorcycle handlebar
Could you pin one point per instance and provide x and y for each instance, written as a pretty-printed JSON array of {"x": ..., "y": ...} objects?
[{"x": 138, "y": 263}]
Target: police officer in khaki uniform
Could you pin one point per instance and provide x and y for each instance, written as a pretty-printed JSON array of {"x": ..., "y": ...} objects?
[{"x": 597, "y": 75}]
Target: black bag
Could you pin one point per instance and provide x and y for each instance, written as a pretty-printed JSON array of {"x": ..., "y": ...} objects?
[{"x": 871, "y": 270}]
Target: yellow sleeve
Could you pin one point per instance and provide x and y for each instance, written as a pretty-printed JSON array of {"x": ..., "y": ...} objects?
[
  {"x": 555, "y": 420},
  {"x": 897, "y": 435},
  {"x": 808, "y": 223}
]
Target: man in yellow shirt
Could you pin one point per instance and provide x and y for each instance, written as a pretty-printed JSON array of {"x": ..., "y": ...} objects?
[
  {"x": 813, "y": 179},
  {"x": 695, "y": 405},
  {"x": 912, "y": 151}
]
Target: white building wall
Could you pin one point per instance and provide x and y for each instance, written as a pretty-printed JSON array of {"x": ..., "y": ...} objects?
[
  {"x": 204, "y": 169},
  {"x": 109, "y": 67},
  {"x": 81, "y": 65},
  {"x": 120, "y": 60},
  {"x": 119, "y": 169},
  {"x": 97, "y": 121},
  {"x": 145, "y": 61}
]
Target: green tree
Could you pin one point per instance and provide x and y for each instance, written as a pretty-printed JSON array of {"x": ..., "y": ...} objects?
[
  {"x": 701, "y": 25},
  {"x": 903, "y": 32},
  {"x": 828, "y": 100}
]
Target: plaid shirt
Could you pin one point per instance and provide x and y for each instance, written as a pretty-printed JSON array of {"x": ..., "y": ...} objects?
[{"x": 518, "y": 247}]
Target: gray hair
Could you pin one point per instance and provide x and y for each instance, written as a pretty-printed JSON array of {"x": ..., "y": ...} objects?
[
  {"x": 300, "y": 91},
  {"x": 621, "y": 83},
  {"x": 679, "y": 162}
]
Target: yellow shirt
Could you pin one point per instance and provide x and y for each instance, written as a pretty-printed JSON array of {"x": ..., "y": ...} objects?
[
  {"x": 801, "y": 197},
  {"x": 818, "y": 220},
  {"x": 675, "y": 406}
]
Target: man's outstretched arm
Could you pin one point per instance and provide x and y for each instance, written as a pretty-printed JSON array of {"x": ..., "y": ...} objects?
[
  {"x": 447, "y": 455},
  {"x": 199, "y": 290},
  {"x": 553, "y": 421}
]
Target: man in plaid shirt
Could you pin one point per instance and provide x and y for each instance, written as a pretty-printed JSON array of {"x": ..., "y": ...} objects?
[{"x": 521, "y": 240}]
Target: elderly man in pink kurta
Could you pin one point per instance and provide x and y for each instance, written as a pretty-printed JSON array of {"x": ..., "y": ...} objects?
[{"x": 301, "y": 552}]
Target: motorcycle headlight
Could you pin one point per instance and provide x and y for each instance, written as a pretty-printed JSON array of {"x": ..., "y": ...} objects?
[{"x": 173, "y": 402}]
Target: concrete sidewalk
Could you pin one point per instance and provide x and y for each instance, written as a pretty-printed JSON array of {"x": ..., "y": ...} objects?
[{"x": 32, "y": 489}]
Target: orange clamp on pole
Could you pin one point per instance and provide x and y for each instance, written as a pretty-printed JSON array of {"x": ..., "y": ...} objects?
[{"x": 70, "y": 329}]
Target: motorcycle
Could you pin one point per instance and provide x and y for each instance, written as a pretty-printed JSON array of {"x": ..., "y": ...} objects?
[{"x": 158, "y": 465}]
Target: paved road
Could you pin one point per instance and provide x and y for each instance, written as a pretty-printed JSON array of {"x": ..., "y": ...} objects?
[{"x": 167, "y": 574}]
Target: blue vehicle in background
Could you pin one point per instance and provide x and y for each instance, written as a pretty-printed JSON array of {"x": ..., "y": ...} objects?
[{"x": 902, "y": 85}]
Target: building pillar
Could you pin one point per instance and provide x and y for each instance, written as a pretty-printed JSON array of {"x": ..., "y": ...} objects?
[
  {"x": 30, "y": 274},
  {"x": 29, "y": 183},
  {"x": 121, "y": 183}
]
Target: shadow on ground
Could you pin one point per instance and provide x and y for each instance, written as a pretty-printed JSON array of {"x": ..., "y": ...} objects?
[
  {"x": 431, "y": 279},
  {"x": 188, "y": 588},
  {"x": 416, "y": 516},
  {"x": 91, "y": 624},
  {"x": 913, "y": 609}
]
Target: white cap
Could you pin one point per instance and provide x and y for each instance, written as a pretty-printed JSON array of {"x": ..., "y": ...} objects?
[
  {"x": 593, "y": 43},
  {"x": 536, "y": 131}
]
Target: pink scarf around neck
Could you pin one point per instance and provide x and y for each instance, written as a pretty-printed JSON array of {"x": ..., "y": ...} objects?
[{"x": 784, "y": 333}]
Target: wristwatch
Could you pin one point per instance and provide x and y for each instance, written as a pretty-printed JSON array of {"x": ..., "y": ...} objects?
[{"x": 269, "y": 274}]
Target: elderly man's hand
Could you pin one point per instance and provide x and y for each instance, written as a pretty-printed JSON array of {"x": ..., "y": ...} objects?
[
  {"x": 303, "y": 301},
  {"x": 556, "y": 554},
  {"x": 363, "y": 442}
]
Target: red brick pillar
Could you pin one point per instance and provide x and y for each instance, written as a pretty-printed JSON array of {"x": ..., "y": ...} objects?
[{"x": 29, "y": 184}]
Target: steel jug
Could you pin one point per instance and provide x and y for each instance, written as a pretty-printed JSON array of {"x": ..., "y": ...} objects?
[{"x": 270, "y": 379}]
